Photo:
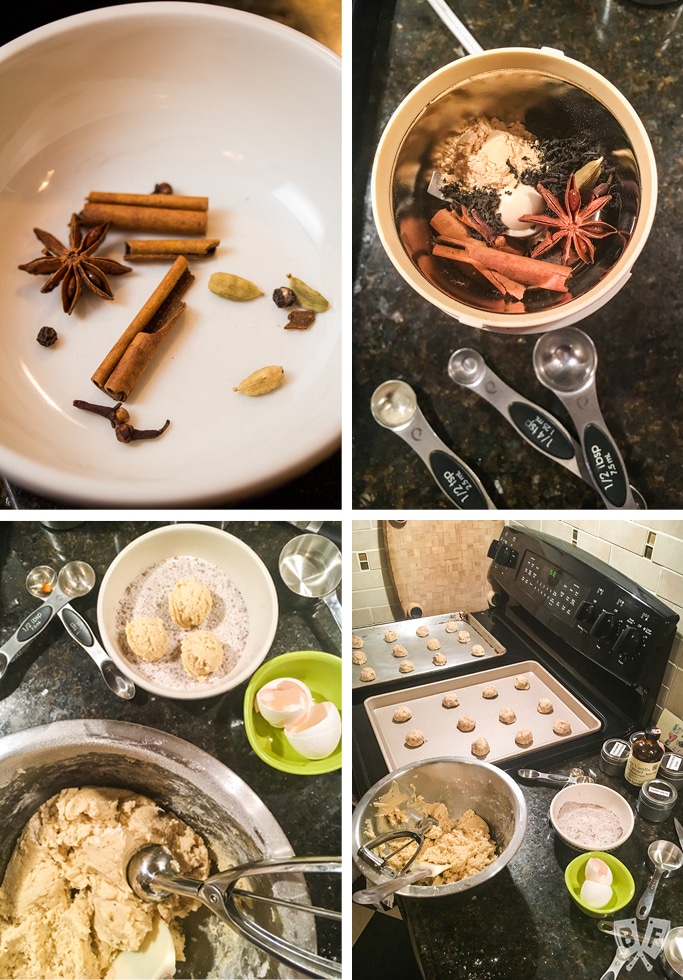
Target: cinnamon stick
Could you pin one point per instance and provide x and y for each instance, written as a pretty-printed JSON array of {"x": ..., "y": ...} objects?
[
  {"x": 178, "y": 221},
  {"x": 520, "y": 268},
  {"x": 120, "y": 370},
  {"x": 148, "y": 249},
  {"x": 448, "y": 225},
  {"x": 175, "y": 202}
]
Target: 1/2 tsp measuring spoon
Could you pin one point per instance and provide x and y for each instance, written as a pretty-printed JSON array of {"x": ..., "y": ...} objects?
[
  {"x": 75, "y": 579},
  {"x": 565, "y": 361},
  {"x": 394, "y": 406}
]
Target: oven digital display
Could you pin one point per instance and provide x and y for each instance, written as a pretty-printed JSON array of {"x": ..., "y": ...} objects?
[{"x": 550, "y": 586}]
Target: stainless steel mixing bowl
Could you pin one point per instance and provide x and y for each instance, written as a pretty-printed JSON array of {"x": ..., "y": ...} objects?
[{"x": 235, "y": 824}]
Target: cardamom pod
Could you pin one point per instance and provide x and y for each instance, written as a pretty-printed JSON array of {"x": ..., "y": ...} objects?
[
  {"x": 230, "y": 286},
  {"x": 262, "y": 381},
  {"x": 587, "y": 176},
  {"x": 309, "y": 298}
]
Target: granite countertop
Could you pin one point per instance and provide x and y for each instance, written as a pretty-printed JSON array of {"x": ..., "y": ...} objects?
[
  {"x": 398, "y": 334},
  {"x": 523, "y": 925},
  {"x": 320, "y": 487},
  {"x": 55, "y": 680}
]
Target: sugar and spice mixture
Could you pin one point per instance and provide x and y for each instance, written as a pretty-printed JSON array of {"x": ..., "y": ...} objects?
[{"x": 589, "y": 824}]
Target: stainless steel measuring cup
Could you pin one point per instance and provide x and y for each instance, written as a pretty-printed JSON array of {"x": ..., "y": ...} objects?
[
  {"x": 310, "y": 565},
  {"x": 75, "y": 579},
  {"x": 565, "y": 361},
  {"x": 394, "y": 406},
  {"x": 666, "y": 858}
]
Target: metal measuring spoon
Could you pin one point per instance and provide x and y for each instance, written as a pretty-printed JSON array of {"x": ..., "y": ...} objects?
[
  {"x": 310, "y": 566},
  {"x": 666, "y": 858},
  {"x": 40, "y": 581},
  {"x": 565, "y": 361},
  {"x": 75, "y": 579},
  {"x": 394, "y": 406}
]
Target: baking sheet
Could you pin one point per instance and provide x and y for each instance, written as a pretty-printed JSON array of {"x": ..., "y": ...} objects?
[
  {"x": 439, "y": 724},
  {"x": 380, "y": 657}
]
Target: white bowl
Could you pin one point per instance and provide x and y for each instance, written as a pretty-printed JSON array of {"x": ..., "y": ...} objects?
[
  {"x": 596, "y": 795},
  {"x": 536, "y": 87},
  {"x": 242, "y": 566},
  {"x": 218, "y": 103}
]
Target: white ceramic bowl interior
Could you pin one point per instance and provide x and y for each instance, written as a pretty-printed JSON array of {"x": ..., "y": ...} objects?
[
  {"x": 510, "y": 83},
  {"x": 597, "y": 795},
  {"x": 239, "y": 562},
  {"x": 218, "y": 103}
]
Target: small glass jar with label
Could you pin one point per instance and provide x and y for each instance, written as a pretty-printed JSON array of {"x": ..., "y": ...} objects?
[
  {"x": 656, "y": 800},
  {"x": 671, "y": 769},
  {"x": 613, "y": 756},
  {"x": 644, "y": 758}
]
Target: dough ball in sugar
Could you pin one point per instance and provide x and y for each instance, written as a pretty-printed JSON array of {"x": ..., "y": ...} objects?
[
  {"x": 189, "y": 603},
  {"x": 201, "y": 653},
  {"x": 147, "y": 638},
  {"x": 359, "y": 657},
  {"x": 422, "y": 631},
  {"x": 439, "y": 660},
  {"x": 414, "y": 738},
  {"x": 402, "y": 713},
  {"x": 399, "y": 651},
  {"x": 452, "y": 626},
  {"x": 356, "y": 642},
  {"x": 367, "y": 674},
  {"x": 433, "y": 644},
  {"x": 390, "y": 636},
  {"x": 545, "y": 707},
  {"x": 466, "y": 723},
  {"x": 450, "y": 700},
  {"x": 524, "y": 738},
  {"x": 480, "y": 748},
  {"x": 406, "y": 666},
  {"x": 562, "y": 727},
  {"x": 521, "y": 683},
  {"x": 478, "y": 650},
  {"x": 463, "y": 636},
  {"x": 490, "y": 692},
  {"x": 507, "y": 716}
]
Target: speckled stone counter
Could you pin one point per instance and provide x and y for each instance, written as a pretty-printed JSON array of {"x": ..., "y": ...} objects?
[
  {"x": 523, "y": 925},
  {"x": 55, "y": 680},
  {"x": 398, "y": 334}
]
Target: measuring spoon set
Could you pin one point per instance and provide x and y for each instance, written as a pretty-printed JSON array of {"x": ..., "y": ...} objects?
[{"x": 565, "y": 361}]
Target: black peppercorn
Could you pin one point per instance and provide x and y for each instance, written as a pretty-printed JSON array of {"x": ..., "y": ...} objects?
[
  {"x": 283, "y": 296},
  {"x": 46, "y": 336}
]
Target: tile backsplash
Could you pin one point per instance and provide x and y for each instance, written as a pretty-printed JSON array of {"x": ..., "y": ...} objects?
[{"x": 649, "y": 551}]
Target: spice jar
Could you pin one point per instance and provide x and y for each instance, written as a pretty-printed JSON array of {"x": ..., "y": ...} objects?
[
  {"x": 644, "y": 758},
  {"x": 671, "y": 769},
  {"x": 656, "y": 800},
  {"x": 613, "y": 756}
]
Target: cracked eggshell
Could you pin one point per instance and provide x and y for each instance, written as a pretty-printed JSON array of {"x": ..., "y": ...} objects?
[
  {"x": 284, "y": 701},
  {"x": 316, "y": 735}
]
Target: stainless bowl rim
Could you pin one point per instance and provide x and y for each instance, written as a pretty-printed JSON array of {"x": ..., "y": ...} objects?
[{"x": 439, "y": 891}]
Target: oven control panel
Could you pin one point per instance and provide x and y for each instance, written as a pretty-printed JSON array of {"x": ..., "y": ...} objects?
[{"x": 590, "y": 606}]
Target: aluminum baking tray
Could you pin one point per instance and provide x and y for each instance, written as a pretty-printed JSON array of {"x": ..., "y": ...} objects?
[
  {"x": 439, "y": 724},
  {"x": 380, "y": 657}
]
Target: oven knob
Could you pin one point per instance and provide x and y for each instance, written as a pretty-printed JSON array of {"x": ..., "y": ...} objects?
[
  {"x": 586, "y": 613},
  {"x": 627, "y": 644},
  {"x": 603, "y": 624}
]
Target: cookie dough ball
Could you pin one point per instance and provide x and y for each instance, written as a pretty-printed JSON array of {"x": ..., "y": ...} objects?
[
  {"x": 490, "y": 692},
  {"x": 403, "y": 713},
  {"x": 356, "y": 642},
  {"x": 466, "y": 723},
  {"x": 478, "y": 650},
  {"x": 450, "y": 700},
  {"x": 463, "y": 636},
  {"x": 544, "y": 707},
  {"x": 390, "y": 637},
  {"x": 422, "y": 631},
  {"x": 201, "y": 653},
  {"x": 521, "y": 683},
  {"x": 480, "y": 748},
  {"x": 524, "y": 738},
  {"x": 399, "y": 650},
  {"x": 507, "y": 716},
  {"x": 414, "y": 738},
  {"x": 433, "y": 644},
  {"x": 438, "y": 660},
  {"x": 367, "y": 674},
  {"x": 147, "y": 638},
  {"x": 406, "y": 666},
  {"x": 562, "y": 727},
  {"x": 452, "y": 626},
  {"x": 359, "y": 658},
  {"x": 189, "y": 603}
]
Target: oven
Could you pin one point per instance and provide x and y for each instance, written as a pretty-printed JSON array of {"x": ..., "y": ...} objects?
[{"x": 591, "y": 644}]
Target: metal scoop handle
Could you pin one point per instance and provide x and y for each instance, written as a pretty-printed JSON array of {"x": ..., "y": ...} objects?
[{"x": 378, "y": 893}]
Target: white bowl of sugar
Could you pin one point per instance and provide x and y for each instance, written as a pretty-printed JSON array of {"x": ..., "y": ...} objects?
[{"x": 591, "y": 817}]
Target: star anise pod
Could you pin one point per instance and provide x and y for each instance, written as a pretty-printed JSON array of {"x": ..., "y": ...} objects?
[
  {"x": 75, "y": 266},
  {"x": 573, "y": 224}
]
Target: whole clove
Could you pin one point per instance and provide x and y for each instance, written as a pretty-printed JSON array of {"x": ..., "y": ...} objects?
[
  {"x": 116, "y": 414},
  {"x": 127, "y": 433}
]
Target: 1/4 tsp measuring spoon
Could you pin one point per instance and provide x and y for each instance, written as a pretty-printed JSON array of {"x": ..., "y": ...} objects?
[{"x": 394, "y": 406}]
